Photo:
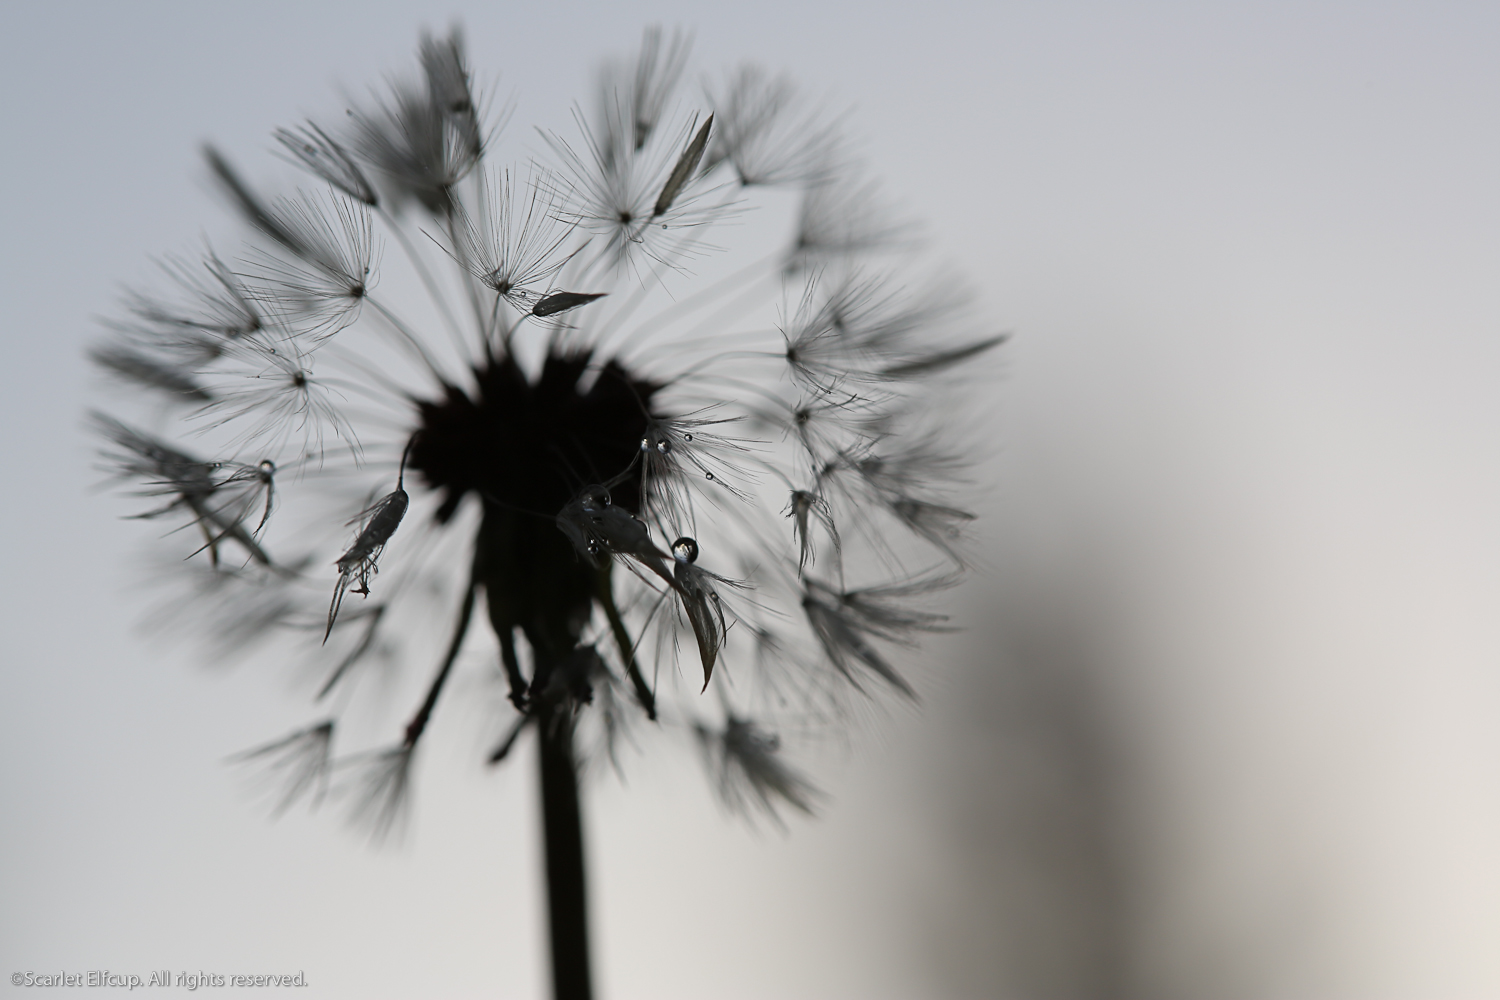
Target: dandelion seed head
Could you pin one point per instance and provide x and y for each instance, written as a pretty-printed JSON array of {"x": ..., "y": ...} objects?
[{"x": 548, "y": 445}]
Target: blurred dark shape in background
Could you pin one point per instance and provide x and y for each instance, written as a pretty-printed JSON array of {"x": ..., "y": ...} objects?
[{"x": 1039, "y": 900}]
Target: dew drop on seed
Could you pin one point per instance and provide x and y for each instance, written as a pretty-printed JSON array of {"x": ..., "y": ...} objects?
[
  {"x": 685, "y": 549},
  {"x": 708, "y": 475},
  {"x": 267, "y": 466},
  {"x": 687, "y": 437},
  {"x": 645, "y": 444},
  {"x": 665, "y": 447}
]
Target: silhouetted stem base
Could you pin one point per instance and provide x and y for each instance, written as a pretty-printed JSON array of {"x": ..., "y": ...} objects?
[{"x": 562, "y": 828}]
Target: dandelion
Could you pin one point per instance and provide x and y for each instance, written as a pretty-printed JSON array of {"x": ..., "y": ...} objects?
[{"x": 603, "y": 454}]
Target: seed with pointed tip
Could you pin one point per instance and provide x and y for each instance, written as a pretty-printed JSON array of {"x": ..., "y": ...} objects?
[
  {"x": 686, "y": 164},
  {"x": 557, "y": 302}
]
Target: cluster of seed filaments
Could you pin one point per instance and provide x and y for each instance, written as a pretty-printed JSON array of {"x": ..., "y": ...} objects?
[{"x": 578, "y": 463}]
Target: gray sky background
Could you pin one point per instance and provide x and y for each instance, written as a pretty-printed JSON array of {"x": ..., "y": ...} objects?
[{"x": 1225, "y": 720}]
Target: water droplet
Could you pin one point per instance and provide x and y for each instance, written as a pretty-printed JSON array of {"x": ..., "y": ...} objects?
[
  {"x": 708, "y": 475},
  {"x": 664, "y": 446},
  {"x": 687, "y": 437},
  {"x": 685, "y": 550},
  {"x": 594, "y": 547},
  {"x": 645, "y": 444},
  {"x": 267, "y": 468}
]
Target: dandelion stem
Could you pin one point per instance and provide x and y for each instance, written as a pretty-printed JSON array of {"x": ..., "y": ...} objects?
[
  {"x": 562, "y": 829},
  {"x": 622, "y": 640},
  {"x": 419, "y": 721}
]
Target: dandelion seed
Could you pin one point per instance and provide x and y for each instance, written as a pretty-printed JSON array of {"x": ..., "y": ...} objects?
[
  {"x": 843, "y": 221},
  {"x": 271, "y": 397},
  {"x": 380, "y": 796},
  {"x": 378, "y": 523},
  {"x": 766, "y": 138},
  {"x": 940, "y": 525},
  {"x": 845, "y": 621},
  {"x": 314, "y": 149},
  {"x": 322, "y": 285},
  {"x": 639, "y": 198},
  {"x": 219, "y": 311},
  {"x": 299, "y": 763},
  {"x": 448, "y": 89},
  {"x": 152, "y": 373},
  {"x": 940, "y": 361},
  {"x": 806, "y": 507},
  {"x": 633, "y": 98},
  {"x": 671, "y": 451},
  {"x": 425, "y": 140},
  {"x": 700, "y": 602},
  {"x": 194, "y": 486},
  {"x": 595, "y": 525},
  {"x": 557, "y": 302},
  {"x": 514, "y": 240},
  {"x": 686, "y": 164},
  {"x": 248, "y": 203},
  {"x": 746, "y": 761},
  {"x": 235, "y": 606}
]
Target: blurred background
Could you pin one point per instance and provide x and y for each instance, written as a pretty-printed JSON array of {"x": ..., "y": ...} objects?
[{"x": 1224, "y": 719}]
